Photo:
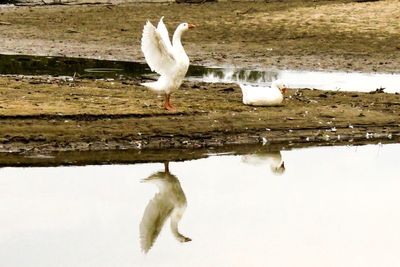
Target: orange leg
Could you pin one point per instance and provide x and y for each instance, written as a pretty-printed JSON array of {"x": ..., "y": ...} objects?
[{"x": 167, "y": 103}]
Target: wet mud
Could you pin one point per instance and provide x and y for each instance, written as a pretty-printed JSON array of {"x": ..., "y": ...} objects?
[{"x": 42, "y": 116}]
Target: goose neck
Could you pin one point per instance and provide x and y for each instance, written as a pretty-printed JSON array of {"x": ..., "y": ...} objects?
[{"x": 176, "y": 39}]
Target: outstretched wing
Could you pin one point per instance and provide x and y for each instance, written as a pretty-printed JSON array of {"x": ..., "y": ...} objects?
[
  {"x": 156, "y": 51},
  {"x": 163, "y": 31}
]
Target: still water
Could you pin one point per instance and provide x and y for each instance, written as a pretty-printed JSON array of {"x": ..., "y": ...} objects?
[
  {"x": 106, "y": 69},
  {"x": 330, "y": 206},
  {"x": 300, "y": 79}
]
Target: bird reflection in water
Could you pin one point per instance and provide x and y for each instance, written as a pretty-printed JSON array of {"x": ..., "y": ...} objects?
[
  {"x": 169, "y": 202},
  {"x": 273, "y": 159}
]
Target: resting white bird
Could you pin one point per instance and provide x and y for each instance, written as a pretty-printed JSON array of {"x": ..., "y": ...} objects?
[
  {"x": 166, "y": 58},
  {"x": 263, "y": 96},
  {"x": 169, "y": 202}
]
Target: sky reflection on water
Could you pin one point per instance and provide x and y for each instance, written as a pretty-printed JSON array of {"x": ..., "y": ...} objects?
[
  {"x": 300, "y": 79},
  {"x": 332, "y": 206}
]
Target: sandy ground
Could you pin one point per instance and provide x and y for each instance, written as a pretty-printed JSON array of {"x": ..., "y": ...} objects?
[
  {"x": 336, "y": 34},
  {"x": 40, "y": 115}
]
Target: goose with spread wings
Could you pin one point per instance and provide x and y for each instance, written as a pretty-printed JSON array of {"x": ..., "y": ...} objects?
[{"x": 167, "y": 59}]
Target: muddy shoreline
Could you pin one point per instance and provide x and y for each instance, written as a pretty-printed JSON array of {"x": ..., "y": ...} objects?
[{"x": 39, "y": 118}]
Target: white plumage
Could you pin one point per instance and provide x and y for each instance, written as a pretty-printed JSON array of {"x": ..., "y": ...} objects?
[
  {"x": 263, "y": 96},
  {"x": 167, "y": 59}
]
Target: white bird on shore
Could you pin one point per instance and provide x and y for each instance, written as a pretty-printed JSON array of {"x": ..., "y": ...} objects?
[
  {"x": 166, "y": 58},
  {"x": 263, "y": 96}
]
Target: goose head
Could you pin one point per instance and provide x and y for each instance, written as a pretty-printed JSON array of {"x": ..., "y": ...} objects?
[
  {"x": 185, "y": 26},
  {"x": 279, "y": 84}
]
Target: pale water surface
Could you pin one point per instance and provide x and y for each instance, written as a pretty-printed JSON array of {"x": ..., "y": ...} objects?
[
  {"x": 332, "y": 206},
  {"x": 322, "y": 80}
]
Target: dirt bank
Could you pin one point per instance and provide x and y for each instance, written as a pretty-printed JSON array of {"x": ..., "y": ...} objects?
[
  {"x": 37, "y": 116},
  {"x": 338, "y": 34}
]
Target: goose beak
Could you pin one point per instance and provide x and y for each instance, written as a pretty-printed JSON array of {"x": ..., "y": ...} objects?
[
  {"x": 284, "y": 90},
  {"x": 191, "y": 26}
]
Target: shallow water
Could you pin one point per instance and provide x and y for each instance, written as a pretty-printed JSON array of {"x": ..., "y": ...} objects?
[
  {"x": 82, "y": 67},
  {"x": 332, "y": 206},
  {"x": 337, "y": 81},
  {"x": 64, "y": 66},
  {"x": 92, "y": 68}
]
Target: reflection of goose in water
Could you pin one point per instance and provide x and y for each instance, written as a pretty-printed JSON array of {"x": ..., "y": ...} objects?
[
  {"x": 170, "y": 201},
  {"x": 273, "y": 159}
]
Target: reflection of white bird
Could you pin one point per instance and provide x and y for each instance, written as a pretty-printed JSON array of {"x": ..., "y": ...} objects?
[
  {"x": 263, "y": 96},
  {"x": 273, "y": 159},
  {"x": 168, "y": 60},
  {"x": 170, "y": 201}
]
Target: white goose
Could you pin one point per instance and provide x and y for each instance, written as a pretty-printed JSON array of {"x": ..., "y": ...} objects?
[
  {"x": 263, "y": 96},
  {"x": 166, "y": 58}
]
